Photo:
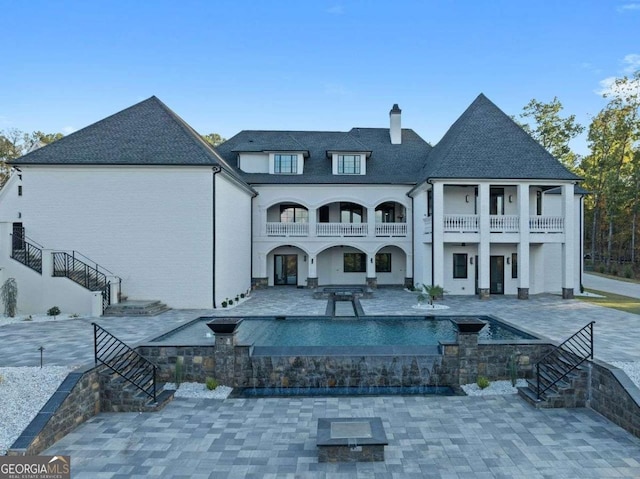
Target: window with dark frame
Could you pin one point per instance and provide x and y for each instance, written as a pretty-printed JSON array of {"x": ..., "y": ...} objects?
[
  {"x": 285, "y": 163},
  {"x": 538, "y": 203},
  {"x": 349, "y": 164},
  {"x": 355, "y": 263},
  {"x": 514, "y": 265},
  {"x": 19, "y": 190},
  {"x": 383, "y": 263},
  {"x": 460, "y": 265},
  {"x": 350, "y": 213},
  {"x": 293, "y": 214},
  {"x": 385, "y": 213},
  {"x": 429, "y": 202}
]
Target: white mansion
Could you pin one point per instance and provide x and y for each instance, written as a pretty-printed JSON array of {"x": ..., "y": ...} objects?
[{"x": 163, "y": 215}]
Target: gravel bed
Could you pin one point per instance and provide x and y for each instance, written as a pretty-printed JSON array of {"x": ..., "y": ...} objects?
[
  {"x": 36, "y": 318},
  {"x": 631, "y": 368},
  {"x": 199, "y": 390},
  {"x": 495, "y": 387},
  {"x": 23, "y": 392}
]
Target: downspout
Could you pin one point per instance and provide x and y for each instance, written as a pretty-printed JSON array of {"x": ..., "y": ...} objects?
[
  {"x": 413, "y": 236},
  {"x": 581, "y": 240},
  {"x": 216, "y": 169},
  {"x": 433, "y": 197}
]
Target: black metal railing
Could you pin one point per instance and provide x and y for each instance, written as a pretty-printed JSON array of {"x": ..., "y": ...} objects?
[
  {"x": 124, "y": 361},
  {"x": 26, "y": 253},
  {"x": 558, "y": 363},
  {"x": 69, "y": 266}
]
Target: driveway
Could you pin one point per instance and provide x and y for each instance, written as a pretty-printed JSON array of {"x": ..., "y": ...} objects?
[{"x": 608, "y": 285}]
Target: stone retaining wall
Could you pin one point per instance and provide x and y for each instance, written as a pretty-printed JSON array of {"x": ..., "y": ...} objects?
[
  {"x": 615, "y": 396},
  {"x": 76, "y": 400}
]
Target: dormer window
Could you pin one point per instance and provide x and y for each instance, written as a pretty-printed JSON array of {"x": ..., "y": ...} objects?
[
  {"x": 285, "y": 164},
  {"x": 348, "y": 164}
]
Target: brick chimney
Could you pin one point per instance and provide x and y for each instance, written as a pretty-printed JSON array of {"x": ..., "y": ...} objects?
[{"x": 395, "y": 129}]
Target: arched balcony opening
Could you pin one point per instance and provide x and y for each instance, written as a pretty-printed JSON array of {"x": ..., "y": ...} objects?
[
  {"x": 391, "y": 219},
  {"x": 287, "y": 219},
  {"x": 342, "y": 218}
]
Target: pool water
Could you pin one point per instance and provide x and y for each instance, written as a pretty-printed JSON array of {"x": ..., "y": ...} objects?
[{"x": 328, "y": 331}]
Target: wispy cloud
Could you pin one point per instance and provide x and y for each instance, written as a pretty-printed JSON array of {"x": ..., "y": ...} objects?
[
  {"x": 335, "y": 10},
  {"x": 628, "y": 7},
  {"x": 67, "y": 130},
  {"x": 630, "y": 64}
]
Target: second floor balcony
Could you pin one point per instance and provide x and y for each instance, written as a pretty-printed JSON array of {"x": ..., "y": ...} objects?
[
  {"x": 497, "y": 224},
  {"x": 335, "y": 229}
]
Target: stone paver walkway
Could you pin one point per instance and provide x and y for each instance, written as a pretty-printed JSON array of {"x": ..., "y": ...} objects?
[{"x": 446, "y": 437}]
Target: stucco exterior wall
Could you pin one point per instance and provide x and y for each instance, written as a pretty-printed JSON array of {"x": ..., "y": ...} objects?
[
  {"x": 232, "y": 239},
  {"x": 152, "y": 226}
]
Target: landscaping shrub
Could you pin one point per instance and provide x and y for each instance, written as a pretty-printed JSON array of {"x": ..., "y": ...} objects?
[
  {"x": 54, "y": 311},
  {"x": 482, "y": 382},
  {"x": 211, "y": 384},
  {"x": 9, "y": 296}
]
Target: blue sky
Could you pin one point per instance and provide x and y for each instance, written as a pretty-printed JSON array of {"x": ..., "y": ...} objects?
[{"x": 224, "y": 66}]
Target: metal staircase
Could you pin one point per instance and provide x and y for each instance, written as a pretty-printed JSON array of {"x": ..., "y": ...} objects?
[{"x": 560, "y": 378}]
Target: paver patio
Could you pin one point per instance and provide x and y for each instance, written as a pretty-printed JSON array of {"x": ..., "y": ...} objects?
[{"x": 275, "y": 437}]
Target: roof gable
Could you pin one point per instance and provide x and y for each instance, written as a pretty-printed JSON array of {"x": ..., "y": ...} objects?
[
  {"x": 486, "y": 143},
  {"x": 147, "y": 133}
]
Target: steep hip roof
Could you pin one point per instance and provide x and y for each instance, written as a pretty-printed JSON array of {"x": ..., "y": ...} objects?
[
  {"x": 386, "y": 163},
  {"x": 485, "y": 143},
  {"x": 147, "y": 133}
]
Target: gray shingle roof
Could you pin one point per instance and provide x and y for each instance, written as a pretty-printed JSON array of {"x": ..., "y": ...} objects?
[
  {"x": 485, "y": 143},
  {"x": 147, "y": 133},
  {"x": 387, "y": 164}
]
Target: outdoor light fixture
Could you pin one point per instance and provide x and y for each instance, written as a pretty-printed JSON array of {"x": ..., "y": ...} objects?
[
  {"x": 470, "y": 259},
  {"x": 510, "y": 198},
  {"x": 466, "y": 198},
  {"x": 305, "y": 258},
  {"x": 508, "y": 260}
]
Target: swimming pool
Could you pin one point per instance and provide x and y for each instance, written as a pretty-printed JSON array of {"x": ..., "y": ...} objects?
[{"x": 328, "y": 331}]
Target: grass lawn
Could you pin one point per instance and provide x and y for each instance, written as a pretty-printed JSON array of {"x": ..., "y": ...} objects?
[{"x": 614, "y": 301}]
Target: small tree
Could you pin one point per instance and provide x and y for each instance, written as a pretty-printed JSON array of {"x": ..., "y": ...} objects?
[
  {"x": 431, "y": 293},
  {"x": 9, "y": 296}
]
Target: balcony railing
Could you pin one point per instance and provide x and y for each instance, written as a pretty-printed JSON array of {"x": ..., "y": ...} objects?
[
  {"x": 461, "y": 224},
  {"x": 497, "y": 224},
  {"x": 504, "y": 223},
  {"x": 546, "y": 224},
  {"x": 287, "y": 229},
  {"x": 341, "y": 229},
  {"x": 391, "y": 229}
]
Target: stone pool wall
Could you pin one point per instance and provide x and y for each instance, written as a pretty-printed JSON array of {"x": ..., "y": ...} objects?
[
  {"x": 198, "y": 362},
  {"x": 340, "y": 371},
  {"x": 236, "y": 366},
  {"x": 463, "y": 363}
]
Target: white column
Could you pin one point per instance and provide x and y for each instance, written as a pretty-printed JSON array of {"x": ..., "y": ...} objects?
[
  {"x": 523, "y": 245},
  {"x": 313, "y": 266},
  {"x": 372, "y": 279},
  {"x": 313, "y": 219},
  {"x": 114, "y": 287},
  {"x": 96, "y": 304},
  {"x": 568, "y": 206},
  {"x": 371, "y": 222},
  {"x": 484, "y": 248},
  {"x": 438, "y": 234}
]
